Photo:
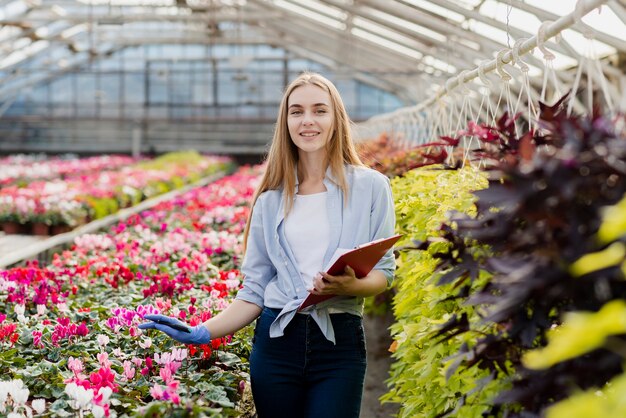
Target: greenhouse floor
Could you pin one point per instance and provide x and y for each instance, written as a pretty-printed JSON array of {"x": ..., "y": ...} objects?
[
  {"x": 11, "y": 243},
  {"x": 378, "y": 341}
]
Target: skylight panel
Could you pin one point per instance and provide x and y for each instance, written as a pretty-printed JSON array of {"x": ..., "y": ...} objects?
[
  {"x": 7, "y": 32},
  {"x": 485, "y": 30},
  {"x": 442, "y": 11},
  {"x": 130, "y": 2},
  {"x": 438, "y": 64},
  {"x": 23, "y": 53},
  {"x": 311, "y": 15},
  {"x": 602, "y": 20},
  {"x": 74, "y": 30},
  {"x": 406, "y": 24},
  {"x": 517, "y": 18},
  {"x": 384, "y": 31},
  {"x": 13, "y": 9},
  {"x": 386, "y": 43},
  {"x": 322, "y": 8}
]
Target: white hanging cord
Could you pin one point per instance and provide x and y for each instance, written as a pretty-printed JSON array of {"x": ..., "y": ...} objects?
[
  {"x": 604, "y": 86},
  {"x": 551, "y": 30},
  {"x": 489, "y": 109},
  {"x": 533, "y": 114},
  {"x": 506, "y": 79},
  {"x": 622, "y": 106},
  {"x": 589, "y": 86},
  {"x": 592, "y": 63},
  {"x": 579, "y": 72},
  {"x": 548, "y": 57}
]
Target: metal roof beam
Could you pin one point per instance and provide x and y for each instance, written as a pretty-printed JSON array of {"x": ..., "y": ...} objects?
[
  {"x": 437, "y": 24},
  {"x": 417, "y": 38},
  {"x": 319, "y": 51},
  {"x": 334, "y": 59},
  {"x": 618, "y": 9},
  {"x": 10, "y": 91},
  {"x": 544, "y": 15},
  {"x": 315, "y": 36},
  {"x": 121, "y": 18}
]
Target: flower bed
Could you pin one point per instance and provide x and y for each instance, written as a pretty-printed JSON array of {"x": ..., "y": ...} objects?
[
  {"x": 91, "y": 196},
  {"x": 23, "y": 169},
  {"x": 68, "y": 331}
]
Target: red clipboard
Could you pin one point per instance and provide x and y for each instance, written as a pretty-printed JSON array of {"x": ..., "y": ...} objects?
[{"x": 362, "y": 259}]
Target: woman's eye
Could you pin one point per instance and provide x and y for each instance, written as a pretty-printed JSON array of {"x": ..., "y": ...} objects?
[
  {"x": 295, "y": 112},
  {"x": 321, "y": 111}
]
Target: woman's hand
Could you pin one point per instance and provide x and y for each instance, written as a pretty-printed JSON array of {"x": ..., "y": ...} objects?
[
  {"x": 325, "y": 284},
  {"x": 178, "y": 330},
  {"x": 348, "y": 285}
]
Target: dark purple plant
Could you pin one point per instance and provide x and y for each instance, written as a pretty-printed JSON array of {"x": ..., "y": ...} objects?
[{"x": 539, "y": 214}]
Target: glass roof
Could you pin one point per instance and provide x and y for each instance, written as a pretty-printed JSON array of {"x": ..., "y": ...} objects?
[{"x": 397, "y": 42}]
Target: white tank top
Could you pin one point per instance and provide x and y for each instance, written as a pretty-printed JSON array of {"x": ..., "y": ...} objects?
[{"x": 308, "y": 233}]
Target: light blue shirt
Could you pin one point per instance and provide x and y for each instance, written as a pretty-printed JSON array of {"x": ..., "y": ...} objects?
[{"x": 271, "y": 274}]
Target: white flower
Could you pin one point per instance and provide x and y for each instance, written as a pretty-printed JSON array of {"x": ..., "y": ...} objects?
[
  {"x": 146, "y": 343},
  {"x": 41, "y": 309},
  {"x": 81, "y": 395},
  {"x": 19, "y": 309},
  {"x": 20, "y": 396},
  {"x": 103, "y": 340},
  {"x": 15, "y": 415},
  {"x": 105, "y": 392},
  {"x": 97, "y": 411},
  {"x": 39, "y": 405}
]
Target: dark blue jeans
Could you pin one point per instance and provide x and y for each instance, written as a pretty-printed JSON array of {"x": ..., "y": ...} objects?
[{"x": 302, "y": 374}]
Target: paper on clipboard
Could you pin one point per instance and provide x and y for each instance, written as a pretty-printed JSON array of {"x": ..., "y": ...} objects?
[{"x": 362, "y": 259}]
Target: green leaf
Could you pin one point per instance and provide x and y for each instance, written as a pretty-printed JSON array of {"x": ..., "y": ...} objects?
[{"x": 580, "y": 333}]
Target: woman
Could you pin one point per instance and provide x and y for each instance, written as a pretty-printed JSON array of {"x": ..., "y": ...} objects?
[{"x": 314, "y": 198}]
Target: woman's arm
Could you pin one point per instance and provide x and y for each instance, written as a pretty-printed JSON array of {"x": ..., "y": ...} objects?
[
  {"x": 239, "y": 314},
  {"x": 347, "y": 284}
]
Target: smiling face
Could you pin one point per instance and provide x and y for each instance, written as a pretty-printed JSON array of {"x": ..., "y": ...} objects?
[{"x": 310, "y": 119}]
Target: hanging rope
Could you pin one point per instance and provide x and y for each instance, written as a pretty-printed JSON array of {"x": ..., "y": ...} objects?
[{"x": 548, "y": 30}]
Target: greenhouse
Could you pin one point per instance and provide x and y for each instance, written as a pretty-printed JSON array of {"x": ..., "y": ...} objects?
[{"x": 163, "y": 164}]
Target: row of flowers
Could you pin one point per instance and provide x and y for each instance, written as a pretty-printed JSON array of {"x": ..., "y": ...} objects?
[
  {"x": 23, "y": 169},
  {"x": 85, "y": 197},
  {"x": 68, "y": 331}
]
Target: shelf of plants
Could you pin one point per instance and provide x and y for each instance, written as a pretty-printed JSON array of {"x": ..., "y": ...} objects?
[{"x": 59, "y": 195}]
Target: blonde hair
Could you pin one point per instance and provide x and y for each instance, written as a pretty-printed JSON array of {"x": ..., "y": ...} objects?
[{"x": 282, "y": 156}]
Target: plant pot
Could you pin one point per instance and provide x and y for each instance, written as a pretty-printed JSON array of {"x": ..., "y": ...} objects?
[
  {"x": 59, "y": 229},
  {"x": 40, "y": 228},
  {"x": 12, "y": 228}
]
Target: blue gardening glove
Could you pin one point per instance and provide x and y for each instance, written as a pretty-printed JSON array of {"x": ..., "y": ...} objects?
[{"x": 178, "y": 330}]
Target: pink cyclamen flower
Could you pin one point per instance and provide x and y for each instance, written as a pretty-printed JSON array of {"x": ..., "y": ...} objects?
[
  {"x": 75, "y": 365},
  {"x": 37, "y": 339},
  {"x": 129, "y": 370},
  {"x": 103, "y": 359},
  {"x": 156, "y": 392},
  {"x": 166, "y": 374}
]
